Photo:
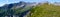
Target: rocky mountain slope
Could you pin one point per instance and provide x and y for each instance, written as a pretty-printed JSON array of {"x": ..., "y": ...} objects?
[{"x": 19, "y": 9}]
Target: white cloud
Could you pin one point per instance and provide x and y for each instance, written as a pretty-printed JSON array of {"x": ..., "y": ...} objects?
[{"x": 1, "y": 4}]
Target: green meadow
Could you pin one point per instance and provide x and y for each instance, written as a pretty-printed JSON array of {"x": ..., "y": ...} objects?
[{"x": 45, "y": 10}]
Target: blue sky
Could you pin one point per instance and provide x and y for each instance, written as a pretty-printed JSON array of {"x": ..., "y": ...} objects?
[{"x": 2, "y": 2}]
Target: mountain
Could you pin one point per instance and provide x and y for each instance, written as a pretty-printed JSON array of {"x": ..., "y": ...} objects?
[{"x": 19, "y": 9}]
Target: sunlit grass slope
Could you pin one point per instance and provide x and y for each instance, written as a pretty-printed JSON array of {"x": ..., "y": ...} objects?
[{"x": 46, "y": 10}]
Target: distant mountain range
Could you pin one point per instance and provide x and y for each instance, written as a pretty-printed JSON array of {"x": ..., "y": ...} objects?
[{"x": 17, "y": 5}]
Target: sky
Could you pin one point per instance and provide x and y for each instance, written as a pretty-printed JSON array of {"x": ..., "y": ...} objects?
[{"x": 3, "y": 2}]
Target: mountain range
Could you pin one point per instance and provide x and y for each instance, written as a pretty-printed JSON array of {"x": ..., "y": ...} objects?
[{"x": 20, "y": 9}]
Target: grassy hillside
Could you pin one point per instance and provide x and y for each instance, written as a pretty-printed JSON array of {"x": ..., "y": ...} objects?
[{"x": 46, "y": 10}]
